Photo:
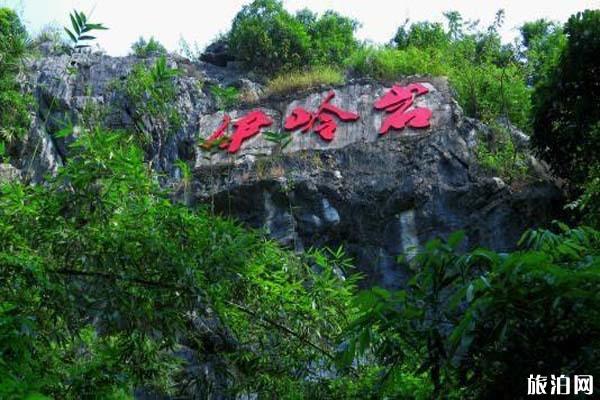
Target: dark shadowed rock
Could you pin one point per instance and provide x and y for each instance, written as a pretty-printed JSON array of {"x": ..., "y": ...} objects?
[{"x": 217, "y": 53}]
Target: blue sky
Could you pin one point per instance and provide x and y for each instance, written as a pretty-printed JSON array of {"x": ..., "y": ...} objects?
[{"x": 199, "y": 22}]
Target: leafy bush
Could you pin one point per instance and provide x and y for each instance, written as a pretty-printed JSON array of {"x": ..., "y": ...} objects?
[
  {"x": 389, "y": 64},
  {"x": 226, "y": 97},
  {"x": 422, "y": 35},
  {"x": 567, "y": 107},
  {"x": 480, "y": 322},
  {"x": 152, "y": 93},
  {"x": 151, "y": 48},
  {"x": 589, "y": 201},
  {"x": 331, "y": 37},
  {"x": 488, "y": 77},
  {"x": 266, "y": 38},
  {"x": 543, "y": 42},
  {"x": 293, "y": 81},
  {"x": 99, "y": 284},
  {"x": 14, "y": 106},
  {"x": 499, "y": 154}
]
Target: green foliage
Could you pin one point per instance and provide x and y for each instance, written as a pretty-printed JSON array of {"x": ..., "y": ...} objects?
[
  {"x": 152, "y": 94},
  {"x": 479, "y": 322},
  {"x": 566, "y": 104},
  {"x": 589, "y": 201},
  {"x": 151, "y": 48},
  {"x": 14, "y": 105},
  {"x": 389, "y": 64},
  {"x": 266, "y": 38},
  {"x": 488, "y": 91},
  {"x": 289, "y": 82},
  {"x": 543, "y": 42},
  {"x": 101, "y": 277},
  {"x": 226, "y": 97},
  {"x": 488, "y": 79},
  {"x": 331, "y": 37},
  {"x": 499, "y": 155},
  {"x": 80, "y": 35},
  {"x": 421, "y": 35},
  {"x": 281, "y": 141}
]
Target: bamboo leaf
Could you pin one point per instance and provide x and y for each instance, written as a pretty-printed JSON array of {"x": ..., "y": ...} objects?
[
  {"x": 80, "y": 23},
  {"x": 75, "y": 25},
  {"x": 71, "y": 35}
]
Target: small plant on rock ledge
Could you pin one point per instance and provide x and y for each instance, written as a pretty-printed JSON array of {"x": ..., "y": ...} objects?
[
  {"x": 498, "y": 154},
  {"x": 151, "y": 93},
  {"x": 226, "y": 97},
  {"x": 148, "y": 48}
]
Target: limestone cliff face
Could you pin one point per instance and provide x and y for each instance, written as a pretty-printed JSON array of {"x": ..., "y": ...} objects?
[{"x": 379, "y": 196}]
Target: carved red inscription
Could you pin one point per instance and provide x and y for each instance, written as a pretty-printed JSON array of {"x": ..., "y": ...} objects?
[
  {"x": 244, "y": 128},
  {"x": 397, "y": 101},
  {"x": 326, "y": 127}
]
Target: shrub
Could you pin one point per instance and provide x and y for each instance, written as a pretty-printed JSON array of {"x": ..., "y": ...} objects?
[
  {"x": 332, "y": 37},
  {"x": 487, "y": 77},
  {"x": 152, "y": 94},
  {"x": 499, "y": 154},
  {"x": 542, "y": 44},
  {"x": 478, "y": 323},
  {"x": 487, "y": 91},
  {"x": 226, "y": 97},
  {"x": 389, "y": 64},
  {"x": 589, "y": 201},
  {"x": 151, "y": 48},
  {"x": 266, "y": 38},
  {"x": 567, "y": 107},
  {"x": 294, "y": 81},
  {"x": 101, "y": 282},
  {"x": 422, "y": 35},
  {"x": 14, "y": 106}
]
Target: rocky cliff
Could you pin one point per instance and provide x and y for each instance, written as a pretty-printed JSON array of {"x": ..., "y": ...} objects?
[{"x": 377, "y": 195}]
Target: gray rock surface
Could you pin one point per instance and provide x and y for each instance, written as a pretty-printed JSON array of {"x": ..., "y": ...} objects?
[{"x": 379, "y": 196}]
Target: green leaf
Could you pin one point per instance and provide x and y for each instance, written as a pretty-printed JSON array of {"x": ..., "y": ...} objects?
[
  {"x": 71, "y": 35},
  {"x": 470, "y": 289},
  {"x": 78, "y": 17},
  {"x": 76, "y": 26},
  {"x": 64, "y": 132},
  {"x": 455, "y": 239}
]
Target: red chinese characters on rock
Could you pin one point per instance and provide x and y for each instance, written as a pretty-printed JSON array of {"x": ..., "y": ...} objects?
[
  {"x": 244, "y": 128},
  {"x": 397, "y": 101},
  {"x": 301, "y": 118}
]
